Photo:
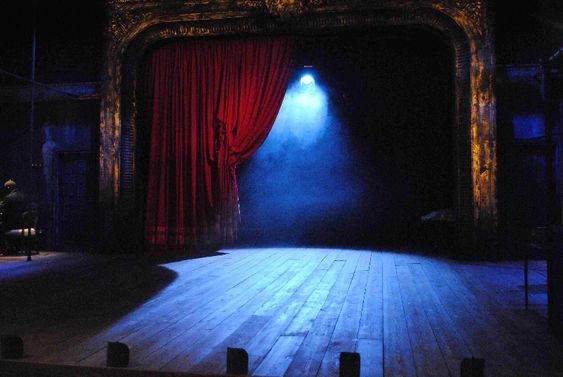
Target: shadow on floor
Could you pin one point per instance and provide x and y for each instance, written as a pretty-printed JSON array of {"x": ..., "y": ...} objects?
[{"x": 82, "y": 292}]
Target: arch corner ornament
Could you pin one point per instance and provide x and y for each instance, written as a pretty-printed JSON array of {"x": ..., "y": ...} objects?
[{"x": 129, "y": 21}]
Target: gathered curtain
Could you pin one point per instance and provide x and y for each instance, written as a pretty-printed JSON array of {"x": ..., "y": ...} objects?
[{"x": 210, "y": 103}]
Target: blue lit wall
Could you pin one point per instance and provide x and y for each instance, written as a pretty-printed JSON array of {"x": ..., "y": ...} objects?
[{"x": 60, "y": 128}]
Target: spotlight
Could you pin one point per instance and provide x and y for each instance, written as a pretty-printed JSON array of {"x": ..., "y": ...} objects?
[{"x": 307, "y": 79}]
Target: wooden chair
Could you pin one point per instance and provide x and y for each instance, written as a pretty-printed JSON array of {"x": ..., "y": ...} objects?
[{"x": 24, "y": 238}]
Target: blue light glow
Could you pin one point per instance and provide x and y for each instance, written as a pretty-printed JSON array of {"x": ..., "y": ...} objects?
[
  {"x": 307, "y": 79},
  {"x": 303, "y": 116},
  {"x": 528, "y": 126}
]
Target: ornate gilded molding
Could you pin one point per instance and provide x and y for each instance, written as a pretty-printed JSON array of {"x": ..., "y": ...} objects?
[
  {"x": 469, "y": 14},
  {"x": 123, "y": 20},
  {"x": 473, "y": 9},
  {"x": 285, "y": 8}
]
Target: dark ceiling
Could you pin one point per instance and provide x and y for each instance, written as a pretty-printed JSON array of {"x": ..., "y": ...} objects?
[{"x": 70, "y": 37}]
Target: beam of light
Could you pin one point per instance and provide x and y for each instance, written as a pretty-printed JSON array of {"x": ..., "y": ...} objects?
[
  {"x": 303, "y": 175},
  {"x": 304, "y": 115}
]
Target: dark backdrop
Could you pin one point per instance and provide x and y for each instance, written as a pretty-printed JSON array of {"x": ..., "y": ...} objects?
[{"x": 383, "y": 159}]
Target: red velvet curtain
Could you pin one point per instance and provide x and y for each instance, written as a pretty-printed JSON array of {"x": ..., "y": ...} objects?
[{"x": 211, "y": 104}]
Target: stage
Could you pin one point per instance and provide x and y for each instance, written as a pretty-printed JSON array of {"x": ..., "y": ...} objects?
[{"x": 292, "y": 309}]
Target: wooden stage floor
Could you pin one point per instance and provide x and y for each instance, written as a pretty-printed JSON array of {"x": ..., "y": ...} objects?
[{"x": 294, "y": 310}]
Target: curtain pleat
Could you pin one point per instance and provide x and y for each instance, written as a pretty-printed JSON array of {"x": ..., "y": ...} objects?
[{"x": 211, "y": 104}]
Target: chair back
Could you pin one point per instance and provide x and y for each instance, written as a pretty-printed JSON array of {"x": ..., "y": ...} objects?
[{"x": 30, "y": 219}]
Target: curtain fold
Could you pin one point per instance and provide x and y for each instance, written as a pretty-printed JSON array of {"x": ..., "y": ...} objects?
[{"x": 211, "y": 104}]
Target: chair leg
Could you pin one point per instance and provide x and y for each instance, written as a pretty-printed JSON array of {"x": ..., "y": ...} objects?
[
  {"x": 28, "y": 244},
  {"x": 526, "y": 281}
]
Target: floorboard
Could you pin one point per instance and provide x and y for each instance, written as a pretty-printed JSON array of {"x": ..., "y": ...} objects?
[{"x": 293, "y": 309}]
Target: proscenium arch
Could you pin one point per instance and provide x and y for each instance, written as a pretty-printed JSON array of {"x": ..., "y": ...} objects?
[{"x": 117, "y": 176}]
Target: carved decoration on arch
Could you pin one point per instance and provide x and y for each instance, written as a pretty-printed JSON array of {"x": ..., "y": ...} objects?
[
  {"x": 472, "y": 9},
  {"x": 285, "y": 8},
  {"x": 124, "y": 19},
  {"x": 469, "y": 14}
]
